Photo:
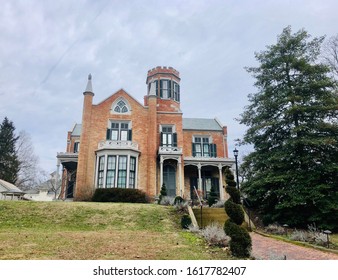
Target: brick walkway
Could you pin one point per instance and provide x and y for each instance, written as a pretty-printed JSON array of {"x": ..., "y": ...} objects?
[{"x": 265, "y": 248}]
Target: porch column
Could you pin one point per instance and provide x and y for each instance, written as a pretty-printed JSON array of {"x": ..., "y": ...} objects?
[
  {"x": 221, "y": 190},
  {"x": 199, "y": 166},
  {"x": 57, "y": 176},
  {"x": 180, "y": 176},
  {"x": 161, "y": 173}
]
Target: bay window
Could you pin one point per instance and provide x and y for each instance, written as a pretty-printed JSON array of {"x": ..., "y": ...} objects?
[{"x": 116, "y": 171}]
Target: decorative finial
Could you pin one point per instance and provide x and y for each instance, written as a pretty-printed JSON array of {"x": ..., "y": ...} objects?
[{"x": 89, "y": 87}]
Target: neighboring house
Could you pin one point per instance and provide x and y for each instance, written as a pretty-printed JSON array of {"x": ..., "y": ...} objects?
[
  {"x": 122, "y": 143},
  {"x": 47, "y": 191},
  {"x": 10, "y": 192}
]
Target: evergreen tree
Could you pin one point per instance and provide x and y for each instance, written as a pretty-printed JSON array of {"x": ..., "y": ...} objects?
[
  {"x": 9, "y": 163},
  {"x": 293, "y": 127}
]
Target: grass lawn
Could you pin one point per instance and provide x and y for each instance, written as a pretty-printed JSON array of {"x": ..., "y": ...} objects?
[{"x": 87, "y": 230}]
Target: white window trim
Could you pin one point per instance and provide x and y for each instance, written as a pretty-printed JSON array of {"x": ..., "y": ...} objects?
[
  {"x": 117, "y": 154},
  {"x": 112, "y": 109}
]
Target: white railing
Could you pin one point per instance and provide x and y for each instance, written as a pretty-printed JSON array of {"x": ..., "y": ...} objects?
[
  {"x": 117, "y": 144},
  {"x": 170, "y": 150}
]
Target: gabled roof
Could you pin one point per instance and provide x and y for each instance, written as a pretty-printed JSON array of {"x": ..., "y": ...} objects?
[
  {"x": 6, "y": 187},
  {"x": 77, "y": 129},
  {"x": 201, "y": 124}
]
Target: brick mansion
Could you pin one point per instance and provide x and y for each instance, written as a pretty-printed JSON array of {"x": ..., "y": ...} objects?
[{"x": 122, "y": 143}]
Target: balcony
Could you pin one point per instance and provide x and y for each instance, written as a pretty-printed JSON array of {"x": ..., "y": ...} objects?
[
  {"x": 169, "y": 150},
  {"x": 117, "y": 145}
]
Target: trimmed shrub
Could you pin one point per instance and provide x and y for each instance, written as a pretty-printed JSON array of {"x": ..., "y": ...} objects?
[
  {"x": 120, "y": 195},
  {"x": 185, "y": 221},
  {"x": 234, "y": 211},
  {"x": 229, "y": 178},
  {"x": 229, "y": 228},
  {"x": 163, "y": 193},
  {"x": 234, "y": 194},
  {"x": 178, "y": 200},
  {"x": 240, "y": 243},
  {"x": 212, "y": 198}
]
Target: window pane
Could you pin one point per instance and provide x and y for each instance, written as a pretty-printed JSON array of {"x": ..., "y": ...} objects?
[
  {"x": 101, "y": 163},
  {"x": 124, "y": 135},
  {"x": 110, "y": 181},
  {"x": 122, "y": 179},
  {"x": 111, "y": 162},
  {"x": 124, "y": 125},
  {"x": 114, "y": 135},
  {"x": 206, "y": 140},
  {"x": 197, "y": 139},
  {"x": 169, "y": 139},
  {"x": 122, "y": 163},
  {"x": 206, "y": 150},
  {"x": 132, "y": 163}
]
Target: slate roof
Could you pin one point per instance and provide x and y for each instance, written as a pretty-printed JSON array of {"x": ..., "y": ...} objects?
[
  {"x": 188, "y": 124},
  {"x": 201, "y": 124},
  {"x": 77, "y": 130}
]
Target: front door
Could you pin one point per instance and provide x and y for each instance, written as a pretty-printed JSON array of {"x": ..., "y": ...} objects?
[{"x": 169, "y": 179}]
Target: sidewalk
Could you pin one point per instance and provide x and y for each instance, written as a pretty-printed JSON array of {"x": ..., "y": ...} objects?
[{"x": 265, "y": 248}]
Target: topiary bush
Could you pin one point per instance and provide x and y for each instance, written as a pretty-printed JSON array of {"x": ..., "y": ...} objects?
[
  {"x": 163, "y": 193},
  {"x": 234, "y": 211},
  {"x": 120, "y": 195},
  {"x": 229, "y": 228},
  {"x": 185, "y": 221},
  {"x": 212, "y": 197},
  {"x": 234, "y": 194},
  {"x": 240, "y": 243}
]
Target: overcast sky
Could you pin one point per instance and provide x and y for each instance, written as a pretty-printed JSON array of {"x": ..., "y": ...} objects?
[{"x": 48, "y": 48}]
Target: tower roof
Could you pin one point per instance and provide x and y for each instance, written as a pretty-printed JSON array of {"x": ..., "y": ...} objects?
[{"x": 89, "y": 87}]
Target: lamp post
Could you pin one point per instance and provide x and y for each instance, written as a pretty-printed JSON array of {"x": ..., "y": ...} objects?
[
  {"x": 236, "y": 155},
  {"x": 327, "y": 232}
]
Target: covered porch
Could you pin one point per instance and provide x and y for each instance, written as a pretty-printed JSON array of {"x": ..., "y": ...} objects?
[
  {"x": 202, "y": 173},
  {"x": 69, "y": 169}
]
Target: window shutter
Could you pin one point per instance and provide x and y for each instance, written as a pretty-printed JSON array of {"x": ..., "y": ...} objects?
[
  {"x": 108, "y": 136},
  {"x": 161, "y": 88},
  {"x": 169, "y": 89},
  {"x": 129, "y": 135},
  {"x": 178, "y": 93},
  {"x": 193, "y": 150},
  {"x": 156, "y": 83},
  {"x": 161, "y": 139},
  {"x": 174, "y": 139}
]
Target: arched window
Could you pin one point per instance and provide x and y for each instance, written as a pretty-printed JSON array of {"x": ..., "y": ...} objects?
[{"x": 121, "y": 107}]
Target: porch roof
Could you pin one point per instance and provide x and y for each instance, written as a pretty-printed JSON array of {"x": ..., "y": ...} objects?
[{"x": 208, "y": 161}]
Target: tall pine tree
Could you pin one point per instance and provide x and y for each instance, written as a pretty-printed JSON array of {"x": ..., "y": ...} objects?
[
  {"x": 9, "y": 163},
  {"x": 293, "y": 126}
]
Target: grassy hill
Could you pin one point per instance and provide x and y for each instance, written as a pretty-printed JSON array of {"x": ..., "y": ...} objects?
[{"x": 86, "y": 230}]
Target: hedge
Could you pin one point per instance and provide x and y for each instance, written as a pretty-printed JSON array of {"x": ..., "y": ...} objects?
[{"x": 120, "y": 195}]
